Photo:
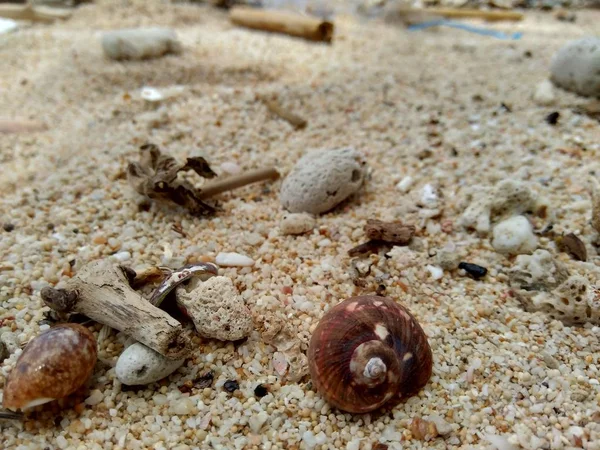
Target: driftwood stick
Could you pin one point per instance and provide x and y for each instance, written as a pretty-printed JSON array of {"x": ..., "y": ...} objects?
[
  {"x": 34, "y": 13},
  {"x": 490, "y": 16},
  {"x": 236, "y": 181},
  {"x": 295, "y": 120},
  {"x": 306, "y": 27},
  {"x": 101, "y": 291}
]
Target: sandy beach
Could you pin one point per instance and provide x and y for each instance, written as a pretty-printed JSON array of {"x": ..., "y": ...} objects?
[{"x": 450, "y": 109}]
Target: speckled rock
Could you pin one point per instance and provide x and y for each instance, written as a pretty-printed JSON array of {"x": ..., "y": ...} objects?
[
  {"x": 322, "y": 179},
  {"x": 514, "y": 236},
  {"x": 506, "y": 199},
  {"x": 297, "y": 223},
  {"x": 576, "y": 67},
  {"x": 140, "y": 43},
  {"x": 216, "y": 308},
  {"x": 140, "y": 365}
]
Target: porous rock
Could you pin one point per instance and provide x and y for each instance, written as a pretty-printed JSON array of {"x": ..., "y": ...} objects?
[
  {"x": 514, "y": 236},
  {"x": 216, "y": 308},
  {"x": 491, "y": 205},
  {"x": 297, "y": 223},
  {"x": 544, "y": 284},
  {"x": 322, "y": 179},
  {"x": 140, "y": 365},
  {"x": 140, "y": 43},
  {"x": 576, "y": 67}
]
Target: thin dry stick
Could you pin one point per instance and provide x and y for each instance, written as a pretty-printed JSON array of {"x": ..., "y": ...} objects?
[
  {"x": 236, "y": 181},
  {"x": 296, "y": 121},
  {"x": 490, "y": 16},
  {"x": 306, "y": 27}
]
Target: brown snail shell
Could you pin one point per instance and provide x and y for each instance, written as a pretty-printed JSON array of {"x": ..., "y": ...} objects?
[
  {"x": 366, "y": 352},
  {"x": 53, "y": 365}
]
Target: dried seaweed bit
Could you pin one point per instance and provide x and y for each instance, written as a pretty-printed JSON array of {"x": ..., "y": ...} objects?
[
  {"x": 205, "y": 380},
  {"x": 368, "y": 247},
  {"x": 155, "y": 176},
  {"x": 572, "y": 245},
  {"x": 394, "y": 232},
  {"x": 199, "y": 165}
]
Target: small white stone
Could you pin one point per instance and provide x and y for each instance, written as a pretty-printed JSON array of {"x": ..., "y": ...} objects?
[
  {"x": 7, "y": 25},
  {"x": 183, "y": 406},
  {"x": 151, "y": 94},
  {"x": 139, "y": 365},
  {"x": 429, "y": 196},
  {"x": 500, "y": 442},
  {"x": 233, "y": 259},
  {"x": 405, "y": 184},
  {"x": 514, "y": 236},
  {"x": 576, "y": 67},
  {"x": 257, "y": 421},
  {"x": 436, "y": 272},
  {"x": 96, "y": 396},
  {"x": 297, "y": 223},
  {"x": 309, "y": 439},
  {"x": 544, "y": 93},
  {"x": 140, "y": 43},
  {"x": 354, "y": 444},
  {"x": 122, "y": 256},
  {"x": 230, "y": 168}
]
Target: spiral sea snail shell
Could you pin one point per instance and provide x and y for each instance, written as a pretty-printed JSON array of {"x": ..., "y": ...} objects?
[
  {"x": 366, "y": 352},
  {"x": 53, "y": 365}
]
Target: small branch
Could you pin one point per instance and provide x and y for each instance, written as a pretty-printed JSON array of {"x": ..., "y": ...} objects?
[
  {"x": 296, "y": 121},
  {"x": 306, "y": 27},
  {"x": 227, "y": 184},
  {"x": 490, "y": 16},
  {"x": 101, "y": 291}
]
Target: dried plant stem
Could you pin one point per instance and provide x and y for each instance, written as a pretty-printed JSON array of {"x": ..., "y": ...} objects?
[
  {"x": 227, "y": 184},
  {"x": 34, "y": 13},
  {"x": 295, "y": 120},
  {"x": 490, "y": 16}
]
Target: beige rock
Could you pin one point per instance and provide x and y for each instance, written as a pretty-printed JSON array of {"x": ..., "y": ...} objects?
[
  {"x": 216, "y": 308},
  {"x": 297, "y": 223}
]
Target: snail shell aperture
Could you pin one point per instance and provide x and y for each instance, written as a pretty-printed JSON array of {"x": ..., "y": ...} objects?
[
  {"x": 366, "y": 352},
  {"x": 53, "y": 365}
]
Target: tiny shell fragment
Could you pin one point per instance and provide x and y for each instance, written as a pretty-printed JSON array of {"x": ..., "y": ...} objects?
[
  {"x": 233, "y": 260},
  {"x": 53, "y": 365}
]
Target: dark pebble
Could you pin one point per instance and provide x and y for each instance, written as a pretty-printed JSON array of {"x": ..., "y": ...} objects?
[
  {"x": 260, "y": 390},
  {"x": 231, "y": 385},
  {"x": 474, "y": 270},
  {"x": 205, "y": 380},
  {"x": 8, "y": 227},
  {"x": 552, "y": 118}
]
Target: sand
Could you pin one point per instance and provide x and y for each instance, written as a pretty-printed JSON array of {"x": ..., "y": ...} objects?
[{"x": 426, "y": 104}]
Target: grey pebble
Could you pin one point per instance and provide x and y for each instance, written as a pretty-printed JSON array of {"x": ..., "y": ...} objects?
[
  {"x": 576, "y": 67},
  {"x": 140, "y": 365},
  {"x": 322, "y": 179}
]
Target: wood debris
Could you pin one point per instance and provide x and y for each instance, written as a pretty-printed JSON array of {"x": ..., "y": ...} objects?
[
  {"x": 572, "y": 245},
  {"x": 381, "y": 235},
  {"x": 287, "y": 115},
  {"x": 310, "y": 28}
]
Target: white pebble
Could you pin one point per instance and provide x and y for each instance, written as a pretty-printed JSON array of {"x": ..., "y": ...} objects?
[
  {"x": 405, "y": 184},
  {"x": 7, "y": 25},
  {"x": 544, "y": 93},
  {"x": 233, "y": 259},
  {"x": 140, "y": 43},
  {"x": 297, "y": 223},
  {"x": 354, "y": 444},
  {"x": 230, "y": 168},
  {"x": 122, "y": 256},
  {"x": 514, "y": 236},
  {"x": 429, "y": 196},
  {"x": 139, "y": 365},
  {"x": 183, "y": 406},
  {"x": 436, "y": 272},
  {"x": 309, "y": 439},
  {"x": 576, "y": 67},
  {"x": 500, "y": 442},
  {"x": 257, "y": 421},
  {"x": 151, "y": 94},
  {"x": 96, "y": 396}
]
